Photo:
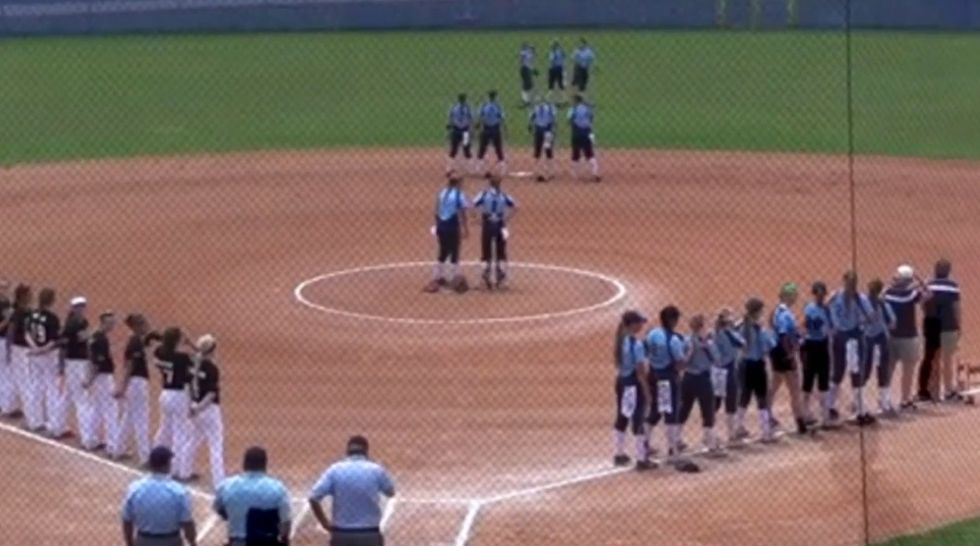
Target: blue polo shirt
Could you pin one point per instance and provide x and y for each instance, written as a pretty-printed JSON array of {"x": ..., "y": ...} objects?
[
  {"x": 157, "y": 505},
  {"x": 251, "y": 490},
  {"x": 663, "y": 355},
  {"x": 355, "y": 485},
  {"x": 632, "y": 355}
]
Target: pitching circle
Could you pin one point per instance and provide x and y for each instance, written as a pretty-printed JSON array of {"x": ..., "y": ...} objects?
[{"x": 618, "y": 295}]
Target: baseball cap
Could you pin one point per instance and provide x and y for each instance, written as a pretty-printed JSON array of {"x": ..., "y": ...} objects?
[
  {"x": 357, "y": 445},
  {"x": 905, "y": 272},
  {"x": 160, "y": 457},
  {"x": 633, "y": 317},
  {"x": 206, "y": 343},
  {"x": 78, "y": 301}
]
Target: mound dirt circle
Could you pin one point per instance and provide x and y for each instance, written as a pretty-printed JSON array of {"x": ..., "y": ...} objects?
[{"x": 393, "y": 293}]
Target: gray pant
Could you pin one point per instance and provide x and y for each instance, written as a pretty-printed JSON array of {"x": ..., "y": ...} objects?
[
  {"x": 154, "y": 541},
  {"x": 340, "y": 538}
]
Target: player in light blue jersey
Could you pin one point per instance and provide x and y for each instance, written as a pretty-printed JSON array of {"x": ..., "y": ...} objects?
[
  {"x": 556, "y": 72},
  {"x": 584, "y": 61},
  {"x": 581, "y": 118},
  {"x": 459, "y": 126},
  {"x": 542, "y": 126},
  {"x": 450, "y": 227},
  {"x": 528, "y": 72}
]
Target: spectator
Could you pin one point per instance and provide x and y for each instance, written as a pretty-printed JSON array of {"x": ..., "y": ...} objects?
[
  {"x": 255, "y": 505},
  {"x": 947, "y": 295},
  {"x": 355, "y": 484},
  {"x": 157, "y": 508}
]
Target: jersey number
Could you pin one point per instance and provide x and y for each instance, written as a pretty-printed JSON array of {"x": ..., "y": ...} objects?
[{"x": 39, "y": 333}]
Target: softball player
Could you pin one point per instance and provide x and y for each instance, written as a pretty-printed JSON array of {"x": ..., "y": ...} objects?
[
  {"x": 581, "y": 117},
  {"x": 632, "y": 390},
  {"x": 556, "y": 72},
  {"x": 880, "y": 322},
  {"x": 584, "y": 59},
  {"x": 8, "y": 387},
  {"x": 702, "y": 355},
  {"x": 459, "y": 124},
  {"x": 848, "y": 314},
  {"x": 45, "y": 404},
  {"x": 783, "y": 354},
  {"x": 18, "y": 348},
  {"x": 667, "y": 360},
  {"x": 451, "y": 226},
  {"x": 498, "y": 208},
  {"x": 528, "y": 72},
  {"x": 816, "y": 353},
  {"x": 75, "y": 366},
  {"x": 206, "y": 408},
  {"x": 491, "y": 124},
  {"x": 542, "y": 126},
  {"x": 175, "y": 428},
  {"x": 728, "y": 343},
  {"x": 753, "y": 370},
  {"x": 134, "y": 390},
  {"x": 101, "y": 387}
]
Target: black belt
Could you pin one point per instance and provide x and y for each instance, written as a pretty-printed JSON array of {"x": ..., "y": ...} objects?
[
  {"x": 144, "y": 534},
  {"x": 358, "y": 530}
]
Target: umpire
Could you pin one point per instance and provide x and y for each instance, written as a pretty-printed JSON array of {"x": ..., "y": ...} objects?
[
  {"x": 355, "y": 485},
  {"x": 255, "y": 505},
  {"x": 157, "y": 508}
]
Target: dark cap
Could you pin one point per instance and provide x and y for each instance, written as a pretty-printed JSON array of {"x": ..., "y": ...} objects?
[
  {"x": 255, "y": 460},
  {"x": 819, "y": 287},
  {"x": 160, "y": 457},
  {"x": 633, "y": 317},
  {"x": 357, "y": 445}
]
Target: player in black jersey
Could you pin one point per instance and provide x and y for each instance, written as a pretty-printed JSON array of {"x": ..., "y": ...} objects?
[
  {"x": 8, "y": 387},
  {"x": 206, "y": 407},
  {"x": 45, "y": 404},
  {"x": 134, "y": 390},
  {"x": 17, "y": 347},
  {"x": 175, "y": 429},
  {"x": 75, "y": 366},
  {"x": 101, "y": 386}
]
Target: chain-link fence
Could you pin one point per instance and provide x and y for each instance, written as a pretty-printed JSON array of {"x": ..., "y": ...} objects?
[{"x": 285, "y": 193}]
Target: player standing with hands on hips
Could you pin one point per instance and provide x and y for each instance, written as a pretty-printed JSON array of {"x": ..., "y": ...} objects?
[
  {"x": 542, "y": 126},
  {"x": 451, "y": 226},
  {"x": 491, "y": 124},
  {"x": 206, "y": 408},
  {"x": 581, "y": 118},
  {"x": 498, "y": 208},
  {"x": 459, "y": 124}
]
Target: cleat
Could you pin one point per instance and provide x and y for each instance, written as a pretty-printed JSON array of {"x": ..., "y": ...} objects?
[
  {"x": 716, "y": 452},
  {"x": 769, "y": 439},
  {"x": 16, "y": 414},
  {"x": 644, "y": 465},
  {"x": 741, "y": 434},
  {"x": 909, "y": 406},
  {"x": 501, "y": 279},
  {"x": 63, "y": 435},
  {"x": 834, "y": 415},
  {"x": 621, "y": 460},
  {"x": 597, "y": 179},
  {"x": 488, "y": 175},
  {"x": 540, "y": 178},
  {"x": 432, "y": 287}
]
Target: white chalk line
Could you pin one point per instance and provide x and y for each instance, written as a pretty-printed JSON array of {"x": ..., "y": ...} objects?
[
  {"x": 301, "y": 516},
  {"x": 208, "y": 526},
  {"x": 466, "y": 529},
  {"x": 387, "y": 513},
  {"x": 620, "y": 294}
]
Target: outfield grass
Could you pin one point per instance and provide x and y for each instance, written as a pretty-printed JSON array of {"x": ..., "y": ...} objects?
[
  {"x": 965, "y": 533},
  {"x": 116, "y": 96}
]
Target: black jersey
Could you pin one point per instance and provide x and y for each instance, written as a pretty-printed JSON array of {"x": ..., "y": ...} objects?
[
  {"x": 136, "y": 355},
  {"x": 175, "y": 366},
  {"x": 206, "y": 381},
  {"x": 20, "y": 321},
  {"x": 101, "y": 353},
  {"x": 75, "y": 338},
  {"x": 45, "y": 327}
]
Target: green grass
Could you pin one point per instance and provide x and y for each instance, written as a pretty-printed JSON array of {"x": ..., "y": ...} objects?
[
  {"x": 915, "y": 94},
  {"x": 965, "y": 533}
]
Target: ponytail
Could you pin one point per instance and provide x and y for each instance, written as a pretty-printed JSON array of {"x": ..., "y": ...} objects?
[{"x": 621, "y": 333}]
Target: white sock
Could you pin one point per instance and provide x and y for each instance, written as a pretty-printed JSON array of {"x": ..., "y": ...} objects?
[
  {"x": 647, "y": 433},
  {"x": 709, "y": 438},
  {"x": 524, "y": 97},
  {"x": 674, "y": 436},
  {"x": 641, "y": 448},
  {"x": 619, "y": 440},
  {"x": 730, "y": 424},
  {"x": 503, "y": 168},
  {"x": 486, "y": 267},
  {"x": 502, "y": 267},
  {"x": 765, "y": 421},
  {"x": 479, "y": 166},
  {"x": 594, "y": 163},
  {"x": 859, "y": 402},
  {"x": 825, "y": 404},
  {"x": 437, "y": 271},
  {"x": 740, "y": 418},
  {"x": 453, "y": 271},
  {"x": 832, "y": 395}
]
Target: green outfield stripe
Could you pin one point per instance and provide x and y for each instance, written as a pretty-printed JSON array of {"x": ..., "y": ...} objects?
[{"x": 915, "y": 94}]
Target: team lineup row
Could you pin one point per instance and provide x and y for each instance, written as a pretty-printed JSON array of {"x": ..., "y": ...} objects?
[
  {"x": 49, "y": 367},
  {"x": 663, "y": 374}
]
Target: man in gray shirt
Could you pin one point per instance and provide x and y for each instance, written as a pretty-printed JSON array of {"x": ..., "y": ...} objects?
[{"x": 355, "y": 485}]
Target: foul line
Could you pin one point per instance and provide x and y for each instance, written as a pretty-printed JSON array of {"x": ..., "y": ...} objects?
[
  {"x": 387, "y": 514},
  {"x": 616, "y": 283},
  {"x": 466, "y": 529}
]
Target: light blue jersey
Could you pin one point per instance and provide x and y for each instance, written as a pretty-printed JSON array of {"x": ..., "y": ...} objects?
[
  {"x": 758, "y": 342},
  {"x": 849, "y": 314},
  {"x": 728, "y": 343},
  {"x": 494, "y": 204},
  {"x": 526, "y": 57},
  {"x": 664, "y": 355},
  {"x": 784, "y": 324},
  {"x": 704, "y": 354},
  {"x": 882, "y": 318},
  {"x": 816, "y": 319},
  {"x": 581, "y": 116},
  {"x": 451, "y": 202},
  {"x": 584, "y": 57},
  {"x": 556, "y": 57},
  {"x": 461, "y": 116},
  {"x": 632, "y": 356},
  {"x": 491, "y": 114},
  {"x": 543, "y": 116}
]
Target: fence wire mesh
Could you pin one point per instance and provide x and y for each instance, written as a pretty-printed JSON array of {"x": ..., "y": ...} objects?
[{"x": 276, "y": 191}]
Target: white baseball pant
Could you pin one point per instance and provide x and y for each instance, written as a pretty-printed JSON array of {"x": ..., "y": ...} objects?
[
  {"x": 47, "y": 387},
  {"x": 105, "y": 413},
  {"x": 135, "y": 423},
  {"x": 175, "y": 429},
  {"x": 29, "y": 387},
  {"x": 209, "y": 425},
  {"x": 8, "y": 386},
  {"x": 76, "y": 373}
]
